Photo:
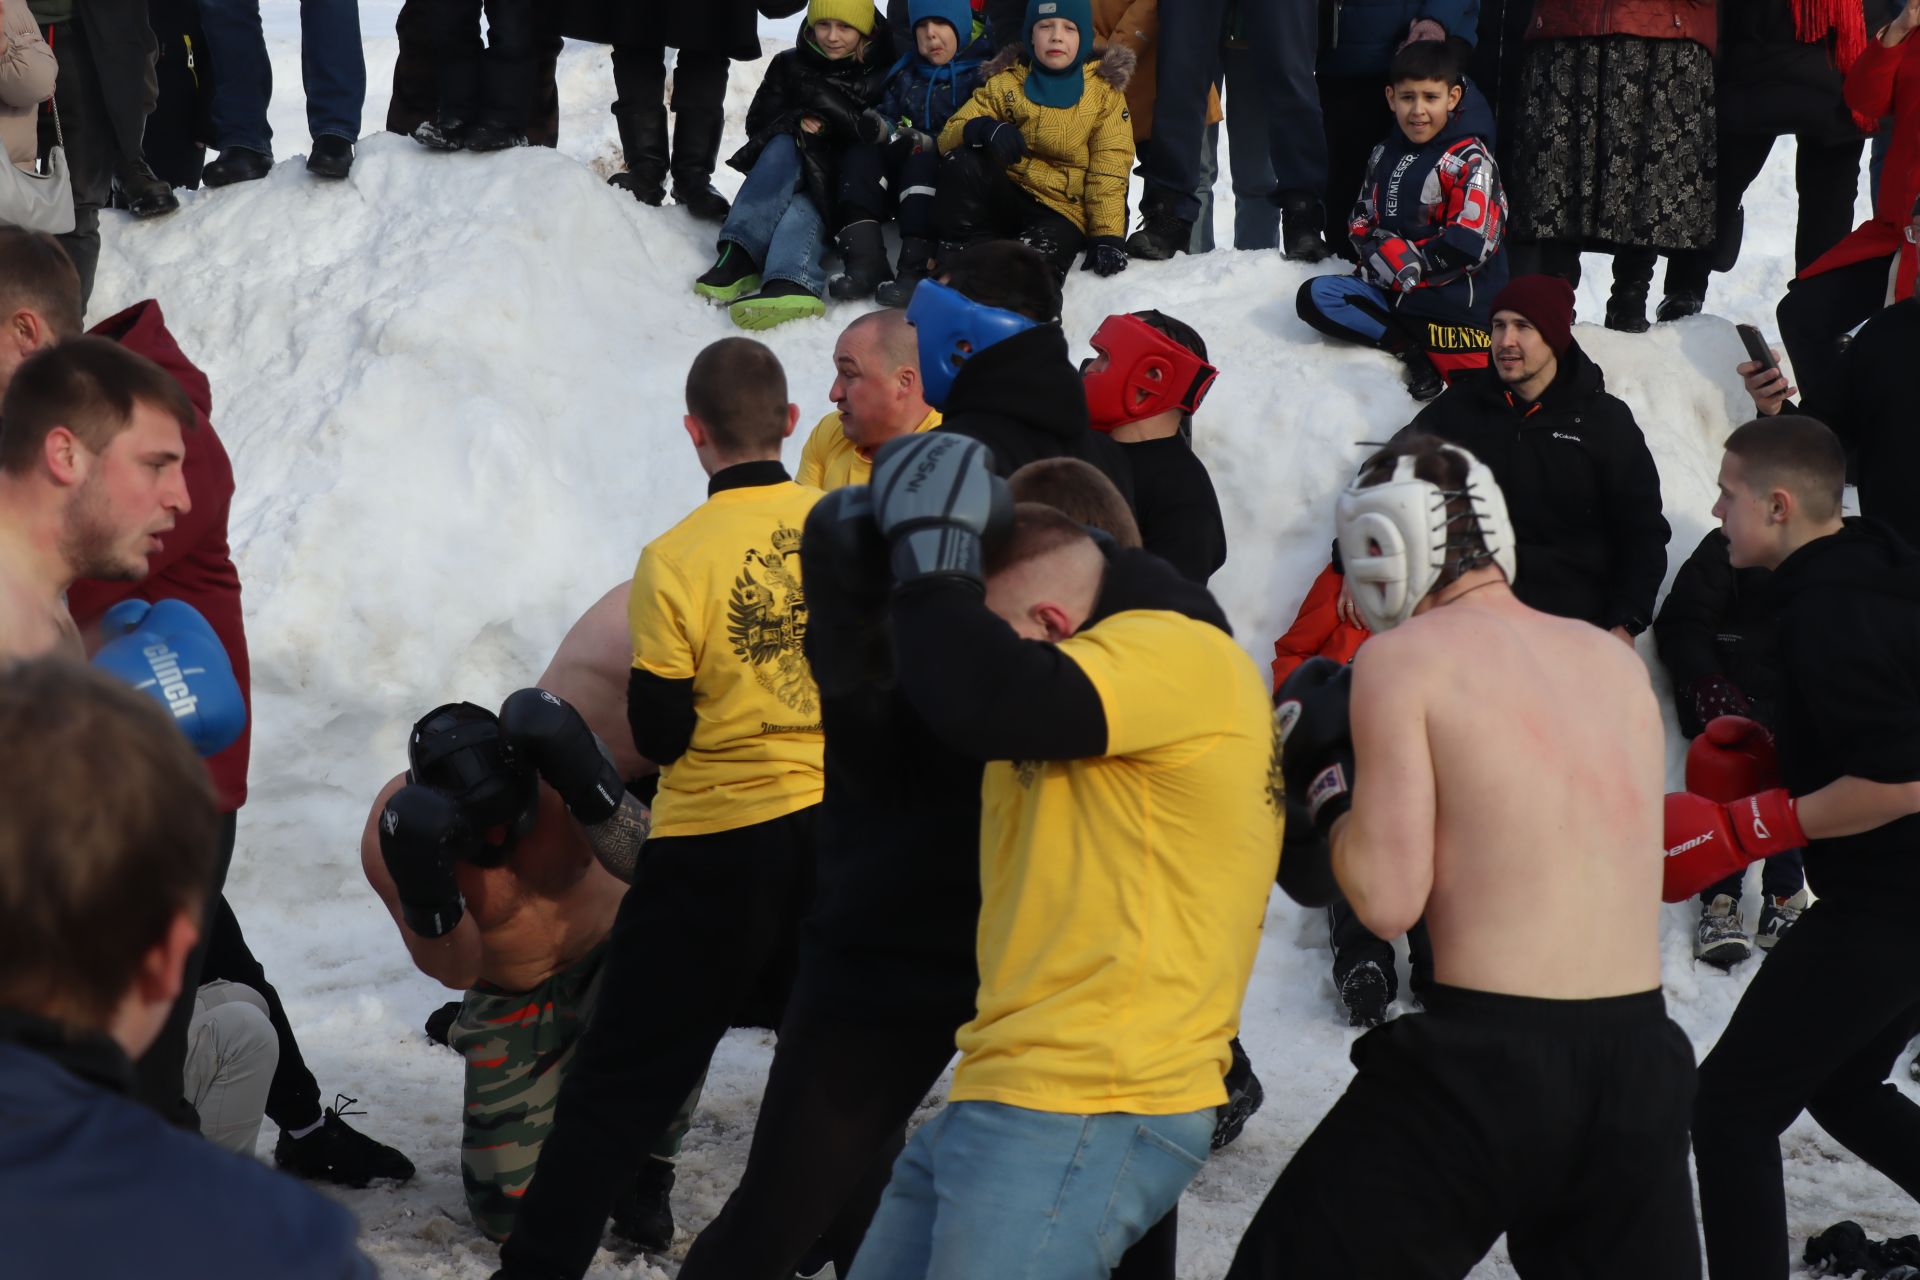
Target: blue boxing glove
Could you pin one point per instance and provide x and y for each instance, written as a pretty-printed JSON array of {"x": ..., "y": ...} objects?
[{"x": 169, "y": 652}]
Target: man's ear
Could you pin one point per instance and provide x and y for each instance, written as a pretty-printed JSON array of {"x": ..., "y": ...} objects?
[
  {"x": 1781, "y": 506},
  {"x": 65, "y": 456},
  {"x": 793, "y": 420},
  {"x": 696, "y": 431},
  {"x": 157, "y": 980},
  {"x": 1057, "y": 622},
  {"x": 27, "y": 331}
]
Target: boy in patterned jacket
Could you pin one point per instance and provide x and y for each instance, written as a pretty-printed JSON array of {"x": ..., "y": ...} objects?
[{"x": 1427, "y": 228}]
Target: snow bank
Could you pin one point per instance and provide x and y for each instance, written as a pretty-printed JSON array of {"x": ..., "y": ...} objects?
[{"x": 452, "y": 391}]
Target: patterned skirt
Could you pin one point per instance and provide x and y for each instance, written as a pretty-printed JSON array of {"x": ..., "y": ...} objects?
[{"x": 1617, "y": 144}]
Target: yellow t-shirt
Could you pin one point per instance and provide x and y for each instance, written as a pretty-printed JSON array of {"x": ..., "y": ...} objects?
[
  {"x": 1122, "y": 896},
  {"x": 829, "y": 460},
  {"x": 717, "y": 599}
]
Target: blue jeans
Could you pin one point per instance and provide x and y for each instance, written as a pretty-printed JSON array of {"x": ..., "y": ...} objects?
[
  {"x": 776, "y": 223},
  {"x": 985, "y": 1189},
  {"x": 333, "y": 69}
]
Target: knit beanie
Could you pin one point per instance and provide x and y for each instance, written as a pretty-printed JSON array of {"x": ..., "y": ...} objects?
[
  {"x": 1546, "y": 301},
  {"x": 957, "y": 14},
  {"x": 857, "y": 14},
  {"x": 1060, "y": 88}
]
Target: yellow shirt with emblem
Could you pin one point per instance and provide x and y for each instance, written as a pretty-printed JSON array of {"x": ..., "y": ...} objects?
[
  {"x": 717, "y": 600},
  {"x": 1123, "y": 895},
  {"x": 830, "y": 461}
]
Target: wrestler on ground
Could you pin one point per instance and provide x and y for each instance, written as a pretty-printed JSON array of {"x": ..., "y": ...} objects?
[
  {"x": 876, "y": 396},
  {"x": 1544, "y": 1092}
]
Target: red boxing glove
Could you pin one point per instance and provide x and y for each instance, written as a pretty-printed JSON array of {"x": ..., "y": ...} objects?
[
  {"x": 1708, "y": 841},
  {"x": 1732, "y": 759}
]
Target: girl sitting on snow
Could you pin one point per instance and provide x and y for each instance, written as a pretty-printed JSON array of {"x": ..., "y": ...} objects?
[
  {"x": 1042, "y": 152},
  {"x": 815, "y": 102}
]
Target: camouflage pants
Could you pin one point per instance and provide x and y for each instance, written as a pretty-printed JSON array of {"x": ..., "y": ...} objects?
[{"x": 518, "y": 1046}]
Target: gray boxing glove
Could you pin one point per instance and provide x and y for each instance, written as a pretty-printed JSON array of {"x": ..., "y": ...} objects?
[{"x": 937, "y": 503}]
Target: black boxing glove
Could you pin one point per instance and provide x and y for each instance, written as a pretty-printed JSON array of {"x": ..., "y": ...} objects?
[
  {"x": 547, "y": 733},
  {"x": 997, "y": 138},
  {"x": 841, "y": 541},
  {"x": 937, "y": 501},
  {"x": 423, "y": 835},
  {"x": 1316, "y": 739}
]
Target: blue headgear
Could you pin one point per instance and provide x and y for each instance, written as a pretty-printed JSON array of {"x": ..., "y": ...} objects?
[{"x": 952, "y": 328}]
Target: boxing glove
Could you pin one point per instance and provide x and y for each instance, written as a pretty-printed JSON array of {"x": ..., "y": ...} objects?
[
  {"x": 547, "y": 733},
  {"x": 1316, "y": 739},
  {"x": 1306, "y": 860},
  {"x": 997, "y": 138},
  {"x": 937, "y": 502},
  {"x": 169, "y": 652},
  {"x": 1707, "y": 840},
  {"x": 1734, "y": 757},
  {"x": 840, "y": 539},
  {"x": 423, "y": 836}
]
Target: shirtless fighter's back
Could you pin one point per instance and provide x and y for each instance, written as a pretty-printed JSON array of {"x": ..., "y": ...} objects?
[{"x": 1500, "y": 772}]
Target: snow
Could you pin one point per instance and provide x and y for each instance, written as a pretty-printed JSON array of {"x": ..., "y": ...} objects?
[{"x": 452, "y": 389}]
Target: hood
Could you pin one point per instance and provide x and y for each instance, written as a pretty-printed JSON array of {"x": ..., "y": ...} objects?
[
  {"x": 1115, "y": 66},
  {"x": 1137, "y": 579},
  {"x": 1864, "y": 556},
  {"x": 142, "y": 329},
  {"x": 1027, "y": 378}
]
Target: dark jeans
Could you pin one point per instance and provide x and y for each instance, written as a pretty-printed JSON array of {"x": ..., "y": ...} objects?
[
  {"x": 1781, "y": 876},
  {"x": 1818, "y": 1030},
  {"x": 976, "y": 201},
  {"x": 1282, "y": 36},
  {"x": 416, "y": 73},
  {"x": 491, "y": 82},
  {"x": 159, "y": 1075},
  {"x": 1355, "y": 116},
  {"x": 333, "y": 70},
  {"x": 1826, "y": 178},
  {"x": 293, "y": 1099},
  {"x": 1256, "y": 191},
  {"x": 1562, "y": 1123},
  {"x": 1818, "y": 311},
  {"x": 704, "y": 940}
]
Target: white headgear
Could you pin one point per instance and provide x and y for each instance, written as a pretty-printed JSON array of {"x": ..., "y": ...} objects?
[{"x": 1395, "y": 538}]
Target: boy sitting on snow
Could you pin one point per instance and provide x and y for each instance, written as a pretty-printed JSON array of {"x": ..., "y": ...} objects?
[
  {"x": 1042, "y": 152},
  {"x": 815, "y": 102},
  {"x": 926, "y": 87},
  {"x": 1427, "y": 228}
]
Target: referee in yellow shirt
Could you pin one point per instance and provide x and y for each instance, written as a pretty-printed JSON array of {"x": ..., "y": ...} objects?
[
  {"x": 1130, "y": 828},
  {"x": 721, "y": 698},
  {"x": 876, "y": 396}
]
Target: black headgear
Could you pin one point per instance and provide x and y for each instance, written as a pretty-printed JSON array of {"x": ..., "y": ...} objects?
[{"x": 457, "y": 750}]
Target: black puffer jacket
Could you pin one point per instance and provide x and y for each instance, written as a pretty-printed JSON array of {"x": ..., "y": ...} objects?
[
  {"x": 1770, "y": 83},
  {"x": 1581, "y": 489},
  {"x": 1718, "y": 624},
  {"x": 802, "y": 82}
]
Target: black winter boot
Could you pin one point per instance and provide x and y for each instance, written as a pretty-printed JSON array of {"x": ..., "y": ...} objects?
[
  {"x": 643, "y": 145},
  {"x": 898, "y": 292},
  {"x": 863, "y": 252},
  {"x": 1423, "y": 380},
  {"x": 142, "y": 193},
  {"x": 1162, "y": 232},
  {"x": 1627, "y": 304},
  {"x": 643, "y": 1213},
  {"x": 1302, "y": 221},
  {"x": 696, "y": 149},
  {"x": 1678, "y": 306}
]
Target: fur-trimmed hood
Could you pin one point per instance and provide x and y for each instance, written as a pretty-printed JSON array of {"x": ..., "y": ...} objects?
[{"x": 1115, "y": 65}]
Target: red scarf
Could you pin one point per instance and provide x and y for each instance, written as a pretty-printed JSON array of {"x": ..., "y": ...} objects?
[{"x": 1814, "y": 19}]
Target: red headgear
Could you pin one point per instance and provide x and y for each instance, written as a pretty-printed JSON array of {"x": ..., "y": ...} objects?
[{"x": 1147, "y": 374}]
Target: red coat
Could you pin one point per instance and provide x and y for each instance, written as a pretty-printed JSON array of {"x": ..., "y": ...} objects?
[
  {"x": 1693, "y": 20},
  {"x": 1317, "y": 630},
  {"x": 194, "y": 564},
  {"x": 1886, "y": 82}
]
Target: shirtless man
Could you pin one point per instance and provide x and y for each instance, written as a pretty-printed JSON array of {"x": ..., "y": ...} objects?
[
  {"x": 90, "y": 481},
  {"x": 1544, "y": 1093},
  {"x": 510, "y": 900}
]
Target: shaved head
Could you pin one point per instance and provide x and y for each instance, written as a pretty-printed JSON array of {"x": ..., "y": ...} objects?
[
  {"x": 895, "y": 342},
  {"x": 1044, "y": 578},
  {"x": 876, "y": 383}
]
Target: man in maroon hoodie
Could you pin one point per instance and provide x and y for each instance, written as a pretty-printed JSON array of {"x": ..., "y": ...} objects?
[{"x": 39, "y": 307}]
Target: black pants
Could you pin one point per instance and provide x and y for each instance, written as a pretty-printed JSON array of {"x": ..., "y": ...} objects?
[
  {"x": 293, "y": 1099},
  {"x": 1499, "y": 69},
  {"x": 492, "y": 81},
  {"x": 699, "y": 102},
  {"x": 1818, "y": 311},
  {"x": 1817, "y": 1030},
  {"x": 416, "y": 73},
  {"x": 706, "y": 934},
  {"x": 876, "y": 182},
  {"x": 159, "y": 1077},
  {"x": 975, "y": 200},
  {"x": 1562, "y": 1123},
  {"x": 1354, "y": 944},
  {"x": 1354, "y": 114},
  {"x": 1826, "y": 178}
]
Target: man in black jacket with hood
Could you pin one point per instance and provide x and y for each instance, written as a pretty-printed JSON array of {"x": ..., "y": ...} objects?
[
  {"x": 1849, "y": 791},
  {"x": 1580, "y": 484}
]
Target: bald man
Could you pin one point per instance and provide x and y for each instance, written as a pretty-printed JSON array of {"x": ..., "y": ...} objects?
[{"x": 876, "y": 396}]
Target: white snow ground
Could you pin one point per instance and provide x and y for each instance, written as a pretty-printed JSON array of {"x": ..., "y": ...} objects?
[{"x": 452, "y": 390}]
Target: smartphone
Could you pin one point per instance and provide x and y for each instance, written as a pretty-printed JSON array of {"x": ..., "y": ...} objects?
[{"x": 1756, "y": 347}]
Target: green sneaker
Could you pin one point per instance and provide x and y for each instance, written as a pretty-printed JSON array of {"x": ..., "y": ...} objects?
[
  {"x": 732, "y": 276},
  {"x": 778, "y": 303}
]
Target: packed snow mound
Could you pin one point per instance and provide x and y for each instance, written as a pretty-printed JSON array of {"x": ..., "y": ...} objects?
[{"x": 452, "y": 388}]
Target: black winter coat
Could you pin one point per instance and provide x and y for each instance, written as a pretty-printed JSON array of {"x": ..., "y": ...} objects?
[
  {"x": 802, "y": 81},
  {"x": 1023, "y": 398},
  {"x": 1719, "y": 622},
  {"x": 1581, "y": 489},
  {"x": 1871, "y": 407},
  {"x": 708, "y": 26},
  {"x": 1177, "y": 509},
  {"x": 1771, "y": 84}
]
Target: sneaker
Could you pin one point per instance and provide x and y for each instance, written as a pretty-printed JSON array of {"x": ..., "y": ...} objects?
[
  {"x": 338, "y": 1153},
  {"x": 440, "y": 1022},
  {"x": 1777, "y": 915},
  {"x": 1231, "y": 1116},
  {"x": 1366, "y": 992},
  {"x": 1722, "y": 937},
  {"x": 643, "y": 1213},
  {"x": 732, "y": 276},
  {"x": 777, "y": 303}
]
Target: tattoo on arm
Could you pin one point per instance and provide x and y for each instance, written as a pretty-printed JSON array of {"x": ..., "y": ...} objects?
[{"x": 617, "y": 841}]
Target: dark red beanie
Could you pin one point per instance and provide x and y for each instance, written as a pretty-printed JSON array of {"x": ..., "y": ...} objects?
[{"x": 1545, "y": 300}]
